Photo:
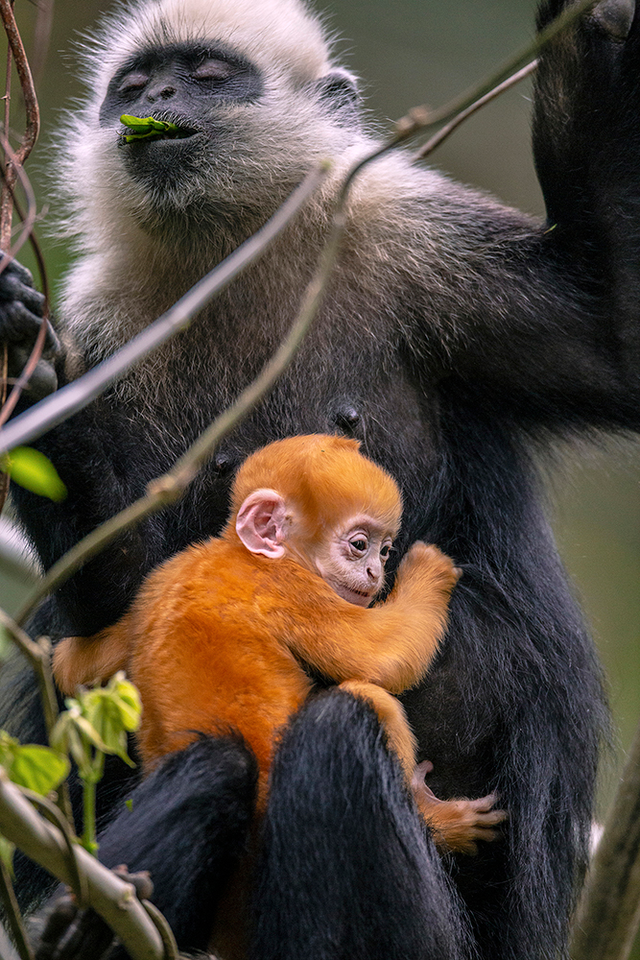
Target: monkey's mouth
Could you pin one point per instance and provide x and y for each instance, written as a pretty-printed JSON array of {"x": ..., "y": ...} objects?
[
  {"x": 154, "y": 128},
  {"x": 358, "y": 597}
]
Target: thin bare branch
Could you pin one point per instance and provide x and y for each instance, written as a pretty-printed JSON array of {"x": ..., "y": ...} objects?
[
  {"x": 33, "y": 118},
  {"x": 28, "y": 219},
  {"x": 39, "y": 656},
  {"x": 423, "y": 118},
  {"x": 26, "y": 232},
  {"x": 448, "y": 128}
]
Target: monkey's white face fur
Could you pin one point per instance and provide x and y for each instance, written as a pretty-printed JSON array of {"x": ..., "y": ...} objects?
[
  {"x": 278, "y": 35},
  {"x": 150, "y": 218}
]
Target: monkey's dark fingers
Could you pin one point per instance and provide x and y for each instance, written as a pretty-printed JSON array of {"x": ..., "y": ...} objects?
[
  {"x": 615, "y": 17},
  {"x": 73, "y": 934},
  {"x": 16, "y": 283}
]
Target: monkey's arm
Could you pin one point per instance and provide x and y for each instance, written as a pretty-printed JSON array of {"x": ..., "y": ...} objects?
[
  {"x": 391, "y": 644},
  {"x": 90, "y": 660},
  {"x": 541, "y": 322}
]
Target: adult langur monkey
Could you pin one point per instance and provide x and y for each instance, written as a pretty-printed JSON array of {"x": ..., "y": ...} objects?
[{"x": 456, "y": 334}]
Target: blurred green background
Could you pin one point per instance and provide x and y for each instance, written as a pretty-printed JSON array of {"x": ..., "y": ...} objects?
[{"x": 410, "y": 52}]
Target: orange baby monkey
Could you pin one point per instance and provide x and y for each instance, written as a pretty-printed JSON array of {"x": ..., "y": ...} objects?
[{"x": 218, "y": 635}]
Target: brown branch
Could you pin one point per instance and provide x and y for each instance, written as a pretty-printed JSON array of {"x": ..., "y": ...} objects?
[
  {"x": 608, "y": 915},
  {"x": 33, "y": 118},
  {"x": 11, "y": 172}
]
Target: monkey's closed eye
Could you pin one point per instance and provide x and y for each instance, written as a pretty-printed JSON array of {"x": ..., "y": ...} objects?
[
  {"x": 213, "y": 69},
  {"x": 133, "y": 82}
]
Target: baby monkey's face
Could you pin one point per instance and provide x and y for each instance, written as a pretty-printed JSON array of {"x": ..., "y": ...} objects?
[{"x": 353, "y": 557}]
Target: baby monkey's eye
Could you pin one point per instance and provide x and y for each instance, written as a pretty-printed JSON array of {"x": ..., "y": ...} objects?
[
  {"x": 359, "y": 544},
  {"x": 385, "y": 550}
]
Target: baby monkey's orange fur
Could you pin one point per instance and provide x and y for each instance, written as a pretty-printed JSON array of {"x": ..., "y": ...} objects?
[{"x": 217, "y": 635}]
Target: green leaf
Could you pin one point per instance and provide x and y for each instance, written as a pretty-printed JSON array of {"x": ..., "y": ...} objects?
[
  {"x": 38, "y": 768},
  {"x": 113, "y": 710},
  {"x": 74, "y": 734},
  {"x": 31, "y": 765},
  {"x": 33, "y": 471},
  {"x": 140, "y": 128}
]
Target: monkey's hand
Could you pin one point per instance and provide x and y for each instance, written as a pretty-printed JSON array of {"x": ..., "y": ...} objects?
[
  {"x": 424, "y": 564},
  {"x": 408, "y": 627},
  {"x": 65, "y": 932},
  {"x": 21, "y": 309},
  {"x": 457, "y": 825}
]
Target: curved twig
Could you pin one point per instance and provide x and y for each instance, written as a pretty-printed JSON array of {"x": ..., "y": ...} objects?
[
  {"x": 14, "y": 917},
  {"x": 33, "y": 116},
  {"x": 28, "y": 220},
  {"x": 448, "y": 128},
  {"x": 163, "y": 928},
  {"x": 38, "y": 653}
]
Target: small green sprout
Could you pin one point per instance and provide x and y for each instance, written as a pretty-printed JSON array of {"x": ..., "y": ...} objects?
[
  {"x": 95, "y": 723},
  {"x": 146, "y": 128}
]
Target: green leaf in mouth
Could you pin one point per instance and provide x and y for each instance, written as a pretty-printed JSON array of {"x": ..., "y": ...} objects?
[{"x": 139, "y": 128}]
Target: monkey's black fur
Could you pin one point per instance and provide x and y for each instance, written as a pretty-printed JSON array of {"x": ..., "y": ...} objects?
[{"x": 457, "y": 339}]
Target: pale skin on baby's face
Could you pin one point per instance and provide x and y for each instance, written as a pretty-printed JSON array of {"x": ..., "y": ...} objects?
[{"x": 352, "y": 559}]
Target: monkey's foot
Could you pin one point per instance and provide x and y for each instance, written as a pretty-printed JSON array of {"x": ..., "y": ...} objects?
[{"x": 457, "y": 825}]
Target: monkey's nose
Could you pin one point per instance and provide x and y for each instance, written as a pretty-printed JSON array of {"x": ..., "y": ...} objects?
[{"x": 163, "y": 91}]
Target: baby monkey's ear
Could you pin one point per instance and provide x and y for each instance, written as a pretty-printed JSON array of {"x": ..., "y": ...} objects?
[{"x": 261, "y": 523}]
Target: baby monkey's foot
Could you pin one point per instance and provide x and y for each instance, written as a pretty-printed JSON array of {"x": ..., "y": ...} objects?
[{"x": 457, "y": 825}]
